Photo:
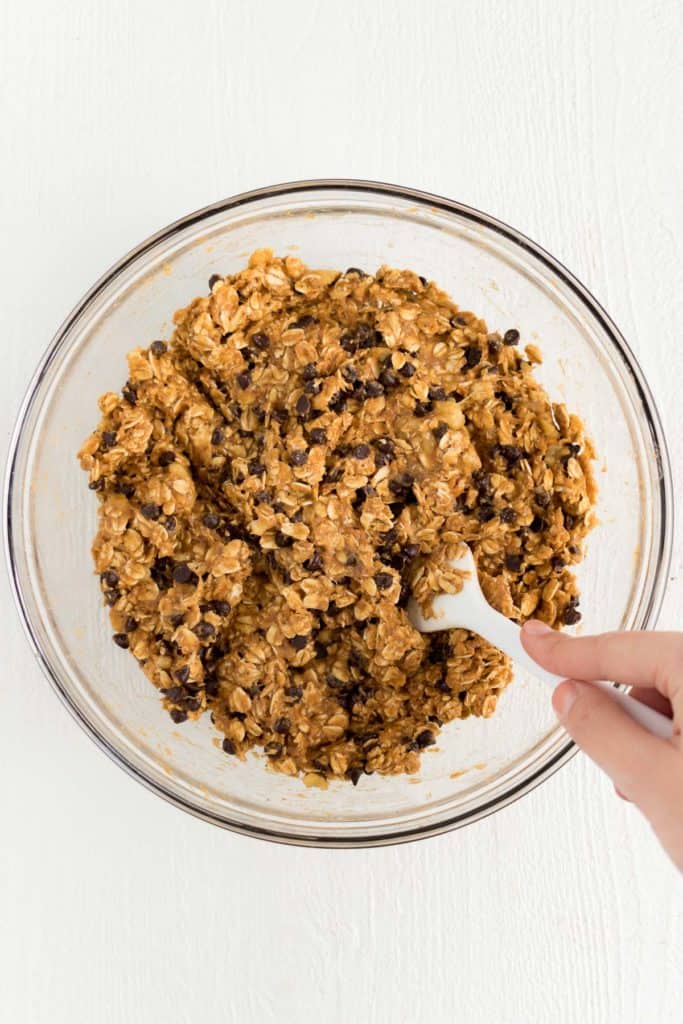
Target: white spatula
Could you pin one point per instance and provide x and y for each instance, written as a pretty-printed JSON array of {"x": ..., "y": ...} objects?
[{"x": 470, "y": 610}]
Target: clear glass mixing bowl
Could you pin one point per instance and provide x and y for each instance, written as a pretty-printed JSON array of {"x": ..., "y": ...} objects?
[{"x": 487, "y": 267}]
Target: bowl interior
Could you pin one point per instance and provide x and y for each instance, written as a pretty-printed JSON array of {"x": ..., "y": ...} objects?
[{"x": 478, "y": 764}]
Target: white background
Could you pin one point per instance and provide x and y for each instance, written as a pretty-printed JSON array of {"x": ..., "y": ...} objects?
[{"x": 563, "y": 119}]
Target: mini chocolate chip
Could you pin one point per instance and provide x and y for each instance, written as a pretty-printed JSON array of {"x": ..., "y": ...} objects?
[
  {"x": 503, "y": 397},
  {"x": 485, "y": 513},
  {"x": 314, "y": 563},
  {"x": 217, "y": 436},
  {"x": 151, "y": 511},
  {"x": 279, "y": 415},
  {"x": 282, "y": 725},
  {"x": 317, "y": 436},
  {"x": 512, "y": 453},
  {"x": 299, "y": 642},
  {"x": 182, "y": 573},
  {"x": 260, "y": 340},
  {"x": 261, "y": 497},
  {"x": 320, "y": 650},
  {"x": 354, "y": 775},
  {"x": 130, "y": 393},
  {"x": 110, "y": 577},
  {"x": 422, "y": 408},
  {"x": 282, "y": 540},
  {"x": 166, "y": 458},
  {"x": 437, "y": 394},
  {"x": 204, "y": 630},
  {"x": 569, "y": 521},
  {"x": 221, "y": 607},
  {"x": 96, "y": 485},
  {"x": 338, "y": 402},
  {"x": 411, "y": 550},
  {"x": 108, "y": 438},
  {"x": 388, "y": 378},
  {"x": 373, "y": 389},
  {"x": 407, "y": 370},
  {"x": 228, "y": 746},
  {"x": 511, "y": 337},
  {"x": 298, "y": 458},
  {"x": 571, "y": 615},
  {"x": 178, "y": 715},
  {"x": 176, "y": 620},
  {"x": 170, "y": 524},
  {"x": 182, "y": 674},
  {"x": 304, "y": 321},
  {"x": 256, "y": 469},
  {"x": 211, "y": 521},
  {"x": 537, "y": 524},
  {"x": 294, "y": 692},
  {"x": 383, "y": 580},
  {"x": 458, "y": 321},
  {"x": 121, "y": 640},
  {"x": 243, "y": 380},
  {"x": 384, "y": 445},
  {"x": 513, "y": 562},
  {"x": 157, "y": 348},
  {"x": 303, "y": 405},
  {"x": 309, "y": 371},
  {"x": 439, "y": 430},
  {"x": 542, "y": 498},
  {"x": 472, "y": 356},
  {"x": 355, "y": 272},
  {"x": 361, "y": 451},
  {"x": 442, "y": 686},
  {"x": 127, "y": 490},
  {"x": 494, "y": 346},
  {"x": 508, "y": 515},
  {"x": 425, "y": 739},
  {"x": 557, "y": 563},
  {"x": 130, "y": 624},
  {"x": 350, "y": 373},
  {"x": 214, "y": 279}
]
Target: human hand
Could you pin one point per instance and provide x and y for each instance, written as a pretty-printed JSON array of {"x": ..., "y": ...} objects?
[{"x": 645, "y": 769}]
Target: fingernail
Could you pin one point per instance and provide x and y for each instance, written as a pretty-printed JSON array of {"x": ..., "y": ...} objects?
[
  {"x": 564, "y": 697},
  {"x": 534, "y": 627}
]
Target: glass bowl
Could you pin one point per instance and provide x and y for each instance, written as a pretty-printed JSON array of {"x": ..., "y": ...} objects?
[{"x": 479, "y": 765}]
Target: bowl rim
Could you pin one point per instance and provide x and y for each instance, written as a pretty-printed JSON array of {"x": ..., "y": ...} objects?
[{"x": 422, "y": 198}]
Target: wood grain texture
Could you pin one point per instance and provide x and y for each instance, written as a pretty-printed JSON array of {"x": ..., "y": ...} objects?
[{"x": 118, "y": 118}]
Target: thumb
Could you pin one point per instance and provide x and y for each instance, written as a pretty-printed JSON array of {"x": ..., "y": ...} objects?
[{"x": 640, "y": 765}]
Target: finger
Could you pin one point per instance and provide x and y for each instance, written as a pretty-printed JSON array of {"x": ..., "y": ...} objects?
[
  {"x": 653, "y": 698},
  {"x": 638, "y": 658},
  {"x": 642, "y": 766}
]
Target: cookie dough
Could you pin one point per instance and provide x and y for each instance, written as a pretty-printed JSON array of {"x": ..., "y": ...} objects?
[{"x": 310, "y": 448}]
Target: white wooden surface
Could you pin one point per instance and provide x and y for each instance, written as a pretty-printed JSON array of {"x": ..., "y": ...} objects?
[{"x": 563, "y": 119}]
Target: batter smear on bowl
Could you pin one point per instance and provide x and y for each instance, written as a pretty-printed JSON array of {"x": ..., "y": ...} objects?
[{"x": 309, "y": 449}]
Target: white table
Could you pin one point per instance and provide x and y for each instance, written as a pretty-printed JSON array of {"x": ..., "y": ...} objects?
[{"x": 562, "y": 119}]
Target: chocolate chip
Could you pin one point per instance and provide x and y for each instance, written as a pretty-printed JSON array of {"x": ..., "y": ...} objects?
[
  {"x": 182, "y": 573},
  {"x": 303, "y": 405},
  {"x": 126, "y": 489},
  {"x": 182, "y": 674},
  {"x": 458, "y": 321},
  {"x": 243, "y": 380},
  {"x": 221, "y": 608},
  {"x": 256, "y": 469},
  {"x": 350, "y": 373},
  {"x": 317, "y": 436},
  {"x": 537, "y": 524},
  {"x": 512, "y": 453},
  {"x": 511, "y": 337},
  {"x": 130, "y": 393},
  {"x": 485, "y": 513},
  {"x": 422, "y": 408},
  {"x": 309, "y": 371},
  {"x": 472, "y": 356},
  {"x": 279, "y": 415},
  {"x": 508, "y": 515},
  {"x": 361, "y": 451},
  {"x": 294, "y": 692},
  {"x": 569, "y": 521},
  {"x": 355, "y": 272},
  {"x": 425, "y": 739},
  {"x": 176, "y": 620},
  {"x": 217, "y": 436},
  {"x": 166, "y": 458},
  {"x": 130, "y": 624},
  {"x": 282, "y": 540},
  {"x": 314, "y": 563},
  {"x": 214, "y": 279},
  {"x": 211, "y": 521},
  {"x": 401, "y": 483},
  {"x": 299, "y": 642},
  {"x": 503, "y": 397},
  {"x": 178, "y": 715},
  {"x": 204, "y": 630},
  {"x": 383, "y": 580},
  {"x": 442, "y": 686},
  {"x": 110, "y": 577},
  {"x": 121, "y": 640},
  {"x": 338, "y": 402},
  {"x": 542, "y": 498},
  {"x": 411, "y": 550},
  {"x": 157, "y": 348},
  {"x": 260, "y": 340},
  {"x": 304, "y": 321},
  {"x": 557, "y": 563},
  {"x": 282, "y": 725},
  {"x": 151, "y": 511},
  {"x": 439, "y": 430},
  {"x": 96, "y": 485},
  {"x": 407, "y": 370},
  {"x": 571, "y": 615},
  {"x": 354, "y": 775},
  {"x": 436, "y": 394},
  {"x": 108, "y": 438},
  {"x": 384, "y": 445},
  {"x": 388, "y": 378},
  {"x": 494, "y": 346},
  {"x": 513, "y": 562},
  {"x": 298, "y": 458}
]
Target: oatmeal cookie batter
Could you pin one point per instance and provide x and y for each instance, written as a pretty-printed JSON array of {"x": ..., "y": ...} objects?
[{"x": 308, "y": 450}]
